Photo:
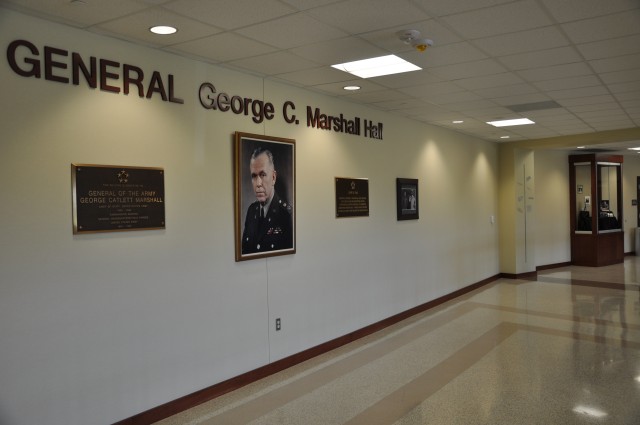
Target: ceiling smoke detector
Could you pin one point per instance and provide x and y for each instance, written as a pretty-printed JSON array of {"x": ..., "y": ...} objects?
[{"x": 413, "y": 38}]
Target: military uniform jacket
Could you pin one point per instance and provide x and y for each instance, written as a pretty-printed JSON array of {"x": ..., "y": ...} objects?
[{"x": 275, "y": 232}]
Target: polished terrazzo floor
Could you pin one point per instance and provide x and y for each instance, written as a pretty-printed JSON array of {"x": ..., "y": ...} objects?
[{"x": 564, "y": 349}]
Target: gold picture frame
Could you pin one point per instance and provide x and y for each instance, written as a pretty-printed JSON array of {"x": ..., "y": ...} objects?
[{"x": 265, "y": 188}]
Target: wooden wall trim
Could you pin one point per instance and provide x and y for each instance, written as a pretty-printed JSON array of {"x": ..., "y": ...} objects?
[{"x": 191, "y": 400}]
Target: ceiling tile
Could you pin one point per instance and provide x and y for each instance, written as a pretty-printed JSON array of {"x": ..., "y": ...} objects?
[
  {"x": 274, "y": 63},
  {"x": 523, "y": 41},
  {"x": 542, "y": 58},
  {"x": 609, "y": 48},
  {"x": 230, "y": 14},
  {"x": 449, "y": 98},
  {"x": 621, "y": 76},
  {"x": 624, "y": 87},
  {"x": 387, "y": 38},
  {"x": 574, "y": 10},
  {"x": 85, "y": 14},
  {"x": 603, "y": 27},
  {"x": 432, "y": 89},
  {"x": 407, "y": 79},
  {"x": 503, "y": 19},
  {"x": 629, "y": 98},
  {"x": 619, "y": 63},
  {"x": 449, "y": 54},
  {"x": 223, "y": 47},
  {"x": 338, "y": 51},
  {"x": 307, "y": 4},
  {"x": 521, "y": 99},
  {"x": 291, "y": 31},
  {"x": 502, "y": 91},
  {"x": 450, "y": 7},
  {"x": 590, "y": 100},
  {"x": 579, "y": 92},
  {"x": 360, "y": 16},
  {"x": 377, "y": 96},
  {"x": 136, "y": 26},
  {"x": 314, "y": 77},
  {"x": 468, "y": 70},
  {"x": 554, "y": 72},
  {"x": 593, "y": 107},
  {"x": 487, "y": 81},
  {"x": 471, "y": 105},
  {"x": 568, "y": 83}
]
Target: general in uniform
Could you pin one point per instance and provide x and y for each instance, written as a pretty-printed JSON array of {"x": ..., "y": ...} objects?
[{"x": 271, "y": 232}]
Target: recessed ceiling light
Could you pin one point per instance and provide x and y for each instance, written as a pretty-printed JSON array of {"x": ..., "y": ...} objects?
[
  {"x": 163, "y": 30},
  {"x": 375, "y": 67},
  {"x": 351, "y": 88},
  {"x": 457, "y": 122},
  {"x": 507, "y": 123}
]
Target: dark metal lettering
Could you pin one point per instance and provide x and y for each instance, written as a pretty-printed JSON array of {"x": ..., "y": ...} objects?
[
  {"x": 156, "y": 86},
  {"x": 105, "y": 75},
  {"x": 49, "y": 64},
  {"x": 34, "y": 70},
  {"x": 90, "y": 75},
  {"x": 127, "y": 79}
]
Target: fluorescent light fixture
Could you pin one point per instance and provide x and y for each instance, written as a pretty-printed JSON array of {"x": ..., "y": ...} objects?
[
  {"x": 505, "y": 137},
  {"x": 634, "y": 149},
  {"x": 352, "y": 88},
  {"x": 375, "y": 67},
  {"x": 581, "y": 147},
  {"x": 508, "y": 123},
  {"x": 163, "y": 30},
  {"x": 457, "y": 122}
]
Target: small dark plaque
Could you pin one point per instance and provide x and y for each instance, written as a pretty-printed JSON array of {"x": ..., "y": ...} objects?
[
  {"x": 352, "y": 197},
  {"x": 109, "y": 198}
]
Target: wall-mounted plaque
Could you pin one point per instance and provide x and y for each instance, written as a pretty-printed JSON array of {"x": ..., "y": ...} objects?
[
  {"x": 352, "y": 197},
  {"x": 110, "y": 198}
]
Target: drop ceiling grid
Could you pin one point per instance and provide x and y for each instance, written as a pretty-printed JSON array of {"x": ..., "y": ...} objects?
[{"x": 488, "y": 54}]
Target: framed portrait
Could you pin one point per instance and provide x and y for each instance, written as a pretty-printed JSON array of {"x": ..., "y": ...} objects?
[
  {"x": 265, "y": 190},
  {"x": 407, "y": 199}
]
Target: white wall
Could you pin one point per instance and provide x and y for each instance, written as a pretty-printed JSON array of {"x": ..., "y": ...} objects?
[
  {"x": 630, "y": 173},
  {"x": 96, "y": 328},
  {"x": 552, "y": 230}
]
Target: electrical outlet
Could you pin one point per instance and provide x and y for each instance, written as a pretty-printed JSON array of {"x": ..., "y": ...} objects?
[{"x": 278, "y": 324}]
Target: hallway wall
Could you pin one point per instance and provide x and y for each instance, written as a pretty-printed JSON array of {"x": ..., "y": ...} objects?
[{"x": 108, "y": 325}]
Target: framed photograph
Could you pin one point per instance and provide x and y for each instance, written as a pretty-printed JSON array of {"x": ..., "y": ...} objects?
[
  {"x": 580, "y": 188},
  {"x": 407, "y": 199},
  {"x": 265, "y": 189}
]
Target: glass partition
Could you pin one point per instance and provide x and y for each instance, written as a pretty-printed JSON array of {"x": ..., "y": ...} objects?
[
  {"x": 609, "y": 204},
  {"x": 583, "y": 196}
]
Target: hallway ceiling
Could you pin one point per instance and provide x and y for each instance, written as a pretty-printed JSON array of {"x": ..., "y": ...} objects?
[{"x": 572, "y": 66}]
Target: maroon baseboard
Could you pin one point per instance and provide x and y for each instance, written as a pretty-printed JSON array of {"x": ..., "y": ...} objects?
[
  {"x": 553, "y": 266},
  {"x": 191, "y": 400},
  {"x": 522, "y": 276}
]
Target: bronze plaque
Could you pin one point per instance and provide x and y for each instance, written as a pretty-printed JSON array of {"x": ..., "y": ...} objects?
[
  {"x": 352, "y": 197},
  {"x": 109, "y": 198}
]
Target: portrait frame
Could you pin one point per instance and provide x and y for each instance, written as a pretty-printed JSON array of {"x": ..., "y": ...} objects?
[
  {"x": 407, "y": 198},
  {"x": 274, "y": 235}
]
